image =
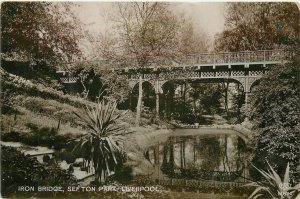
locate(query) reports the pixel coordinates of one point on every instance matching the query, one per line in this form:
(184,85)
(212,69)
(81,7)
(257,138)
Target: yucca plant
(98,145)
(273,187)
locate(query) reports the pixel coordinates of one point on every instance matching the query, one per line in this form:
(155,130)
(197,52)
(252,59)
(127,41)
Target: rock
(143,168)
(164,127)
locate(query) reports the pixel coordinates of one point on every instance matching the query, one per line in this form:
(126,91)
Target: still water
(209,156)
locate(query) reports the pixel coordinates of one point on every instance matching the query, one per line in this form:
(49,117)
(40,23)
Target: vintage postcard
(145,99)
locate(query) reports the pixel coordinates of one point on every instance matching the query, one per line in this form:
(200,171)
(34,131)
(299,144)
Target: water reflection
(212,157)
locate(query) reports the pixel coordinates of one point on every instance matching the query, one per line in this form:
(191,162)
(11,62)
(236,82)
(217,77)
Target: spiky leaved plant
(272,186)
(98,144)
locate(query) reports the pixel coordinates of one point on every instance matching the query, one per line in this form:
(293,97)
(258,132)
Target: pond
(200,154)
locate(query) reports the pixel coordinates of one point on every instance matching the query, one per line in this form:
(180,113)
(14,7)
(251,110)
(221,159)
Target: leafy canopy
(259,26)
(39,31)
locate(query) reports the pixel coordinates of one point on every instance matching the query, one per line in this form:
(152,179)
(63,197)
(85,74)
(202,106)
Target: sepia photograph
(150,99)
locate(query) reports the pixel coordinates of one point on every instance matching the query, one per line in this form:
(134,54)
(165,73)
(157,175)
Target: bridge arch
(254,84)
(148,94)
(244,68)
(134,84)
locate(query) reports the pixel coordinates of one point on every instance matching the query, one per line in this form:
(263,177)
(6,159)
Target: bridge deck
(207,59)
(201,61)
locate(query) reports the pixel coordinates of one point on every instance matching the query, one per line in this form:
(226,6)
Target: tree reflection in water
(216,157)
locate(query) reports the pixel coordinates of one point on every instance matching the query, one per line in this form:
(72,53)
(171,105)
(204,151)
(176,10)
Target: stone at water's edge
(133,158)
(137,143)
(139,164)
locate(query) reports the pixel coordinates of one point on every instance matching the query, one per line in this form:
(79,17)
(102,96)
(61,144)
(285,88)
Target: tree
(275,103)
(191,41)
(117,87)
(275,116)
(96,83)
(145,31)
(148,30)
(39,32)
(149,33)
(259,26)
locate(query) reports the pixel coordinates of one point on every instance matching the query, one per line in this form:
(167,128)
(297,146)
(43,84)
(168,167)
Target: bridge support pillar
(247,100)
(157,104)
(158,89)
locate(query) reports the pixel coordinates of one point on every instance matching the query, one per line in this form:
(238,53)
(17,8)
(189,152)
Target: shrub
(13,136)
(38,136)
(19,170)
(67,156)
(123,174)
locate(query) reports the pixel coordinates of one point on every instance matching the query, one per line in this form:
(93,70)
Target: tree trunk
(225,88)
(166,105)
(58,125)
(130,100)
(171,157)
(183,152)
(181,155)
(15,117)
(139,103)
(157,104)
(298,49)
(194,150)
(165,154)
(184,100)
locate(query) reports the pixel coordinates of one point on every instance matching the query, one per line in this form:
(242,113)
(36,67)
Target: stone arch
(148,93)
(242,82)
(165,85)
(255,83)
(156,84)
(134,83)
(248,83)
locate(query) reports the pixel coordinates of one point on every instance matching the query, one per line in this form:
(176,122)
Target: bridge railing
(238,57)
(224,58)
(198,59)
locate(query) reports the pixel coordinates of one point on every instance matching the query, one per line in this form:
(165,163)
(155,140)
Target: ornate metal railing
(196,59)
(263,56)
(238,57)
(185,74)
(69,79)
(200,183)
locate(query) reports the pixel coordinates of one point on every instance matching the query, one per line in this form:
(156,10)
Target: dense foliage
(275,115)
(39,32)
(183,101)
(95,83)
(20,170)
(259,26)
